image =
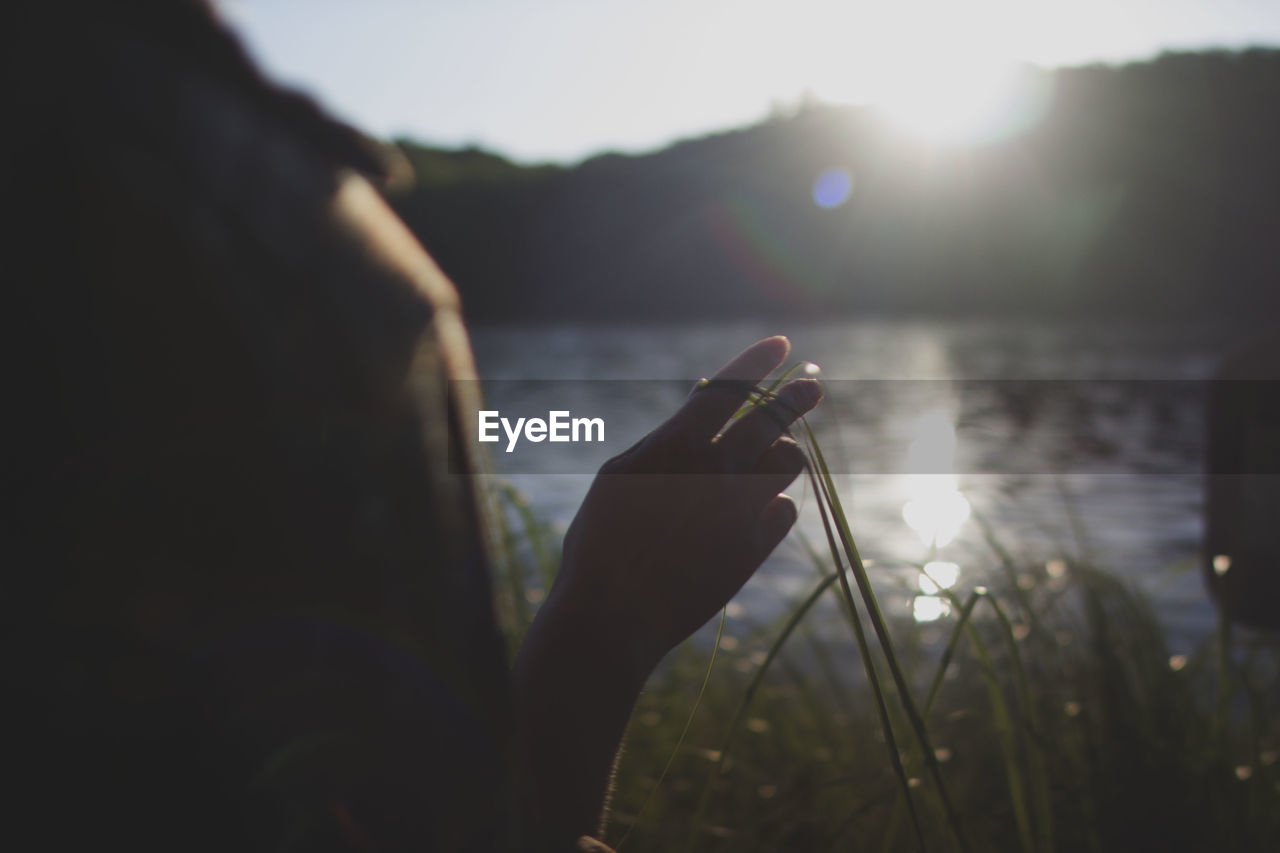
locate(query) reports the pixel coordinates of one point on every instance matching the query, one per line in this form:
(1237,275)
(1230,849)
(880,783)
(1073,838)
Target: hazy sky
(560,79)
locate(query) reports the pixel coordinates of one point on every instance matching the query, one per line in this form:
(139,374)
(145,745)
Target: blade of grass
(895,822)
(886,642)
(1035,753)
(1011,573)
(675,750)
(1042,829)
(821,653)
(740,712)
(820,488)
(1002,721)
(966,611)
(824,489)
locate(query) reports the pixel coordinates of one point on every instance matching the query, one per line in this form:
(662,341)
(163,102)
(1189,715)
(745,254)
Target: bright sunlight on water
(936,509)
(936,576)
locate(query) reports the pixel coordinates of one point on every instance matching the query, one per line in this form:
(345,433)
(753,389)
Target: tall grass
(1048,715)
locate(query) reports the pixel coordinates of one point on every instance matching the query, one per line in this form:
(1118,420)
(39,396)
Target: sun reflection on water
(938,575)
(935,509)
(928,608)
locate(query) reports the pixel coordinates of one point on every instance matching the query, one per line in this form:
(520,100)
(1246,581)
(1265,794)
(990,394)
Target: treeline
(1150,189)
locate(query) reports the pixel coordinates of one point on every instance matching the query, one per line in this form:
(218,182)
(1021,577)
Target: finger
(757,430)
(778,468)
(747,553)
(709,406)
(775,523)
(756,361)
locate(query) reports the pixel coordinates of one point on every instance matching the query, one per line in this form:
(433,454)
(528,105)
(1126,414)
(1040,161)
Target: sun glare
(937,72)
(954,103)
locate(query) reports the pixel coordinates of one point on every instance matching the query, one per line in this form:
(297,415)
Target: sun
(957,102)
(937,72)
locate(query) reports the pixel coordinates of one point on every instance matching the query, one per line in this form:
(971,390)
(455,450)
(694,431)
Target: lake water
(1095,449)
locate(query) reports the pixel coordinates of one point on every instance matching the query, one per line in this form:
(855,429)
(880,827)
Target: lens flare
(832,188)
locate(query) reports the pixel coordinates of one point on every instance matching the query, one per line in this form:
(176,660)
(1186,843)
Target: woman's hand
(669,531)
(672,528)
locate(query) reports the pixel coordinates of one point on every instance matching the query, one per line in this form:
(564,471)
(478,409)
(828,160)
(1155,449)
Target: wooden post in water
(1241,557)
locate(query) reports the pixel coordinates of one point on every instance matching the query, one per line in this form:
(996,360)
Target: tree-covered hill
(1150,189)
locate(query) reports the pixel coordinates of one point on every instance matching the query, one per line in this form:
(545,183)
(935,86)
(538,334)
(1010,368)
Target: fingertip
(777,347)
(781,342)
(776,521)
(784,508)
(758,360)
(802,394)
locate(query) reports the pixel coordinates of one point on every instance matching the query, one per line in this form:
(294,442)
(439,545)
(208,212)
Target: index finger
(710,406)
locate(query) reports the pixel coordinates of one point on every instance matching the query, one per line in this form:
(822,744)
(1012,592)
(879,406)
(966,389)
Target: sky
(559,80)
